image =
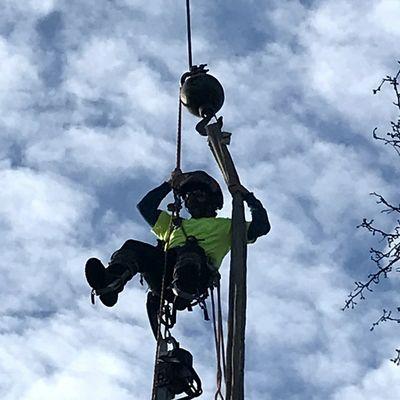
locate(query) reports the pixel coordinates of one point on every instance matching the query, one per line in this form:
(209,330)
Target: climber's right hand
(176,178)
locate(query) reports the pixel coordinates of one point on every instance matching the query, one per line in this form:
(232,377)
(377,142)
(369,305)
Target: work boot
(108,282)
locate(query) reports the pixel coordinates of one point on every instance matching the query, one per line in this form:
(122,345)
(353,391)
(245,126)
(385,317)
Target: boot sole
(109,299)
(95,273)
(95,276)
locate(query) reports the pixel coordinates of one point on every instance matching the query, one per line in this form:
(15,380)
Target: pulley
(201,93)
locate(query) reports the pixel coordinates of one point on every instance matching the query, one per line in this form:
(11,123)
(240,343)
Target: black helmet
(200,179)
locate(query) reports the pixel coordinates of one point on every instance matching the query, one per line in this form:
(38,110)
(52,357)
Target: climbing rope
(161,313)
(179,136)
(164,315)
(189,34)
(219,341)
(179,130)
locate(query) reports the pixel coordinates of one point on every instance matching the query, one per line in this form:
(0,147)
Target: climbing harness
(189,276)
(193,275)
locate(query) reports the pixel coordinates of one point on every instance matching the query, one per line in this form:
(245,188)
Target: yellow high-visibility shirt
(213,234)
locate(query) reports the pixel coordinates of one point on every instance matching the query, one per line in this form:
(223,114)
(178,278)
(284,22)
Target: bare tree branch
(390,208)
(392,138)
(386,259)
(386,316)
(396,360)
(373,278)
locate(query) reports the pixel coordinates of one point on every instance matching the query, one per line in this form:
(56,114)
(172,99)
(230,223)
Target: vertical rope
(189,34)
(174,215)
(229,344)
(218,343)
(221,330)
(179,135)
(160,312)
(170,228)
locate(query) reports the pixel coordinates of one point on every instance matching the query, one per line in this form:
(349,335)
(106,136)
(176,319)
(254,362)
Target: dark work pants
(150,262)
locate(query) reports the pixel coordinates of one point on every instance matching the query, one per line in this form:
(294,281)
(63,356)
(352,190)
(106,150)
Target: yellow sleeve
(160,228)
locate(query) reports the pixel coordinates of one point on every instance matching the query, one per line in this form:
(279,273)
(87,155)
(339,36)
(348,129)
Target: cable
(189,34)
(179,135)
(219,344)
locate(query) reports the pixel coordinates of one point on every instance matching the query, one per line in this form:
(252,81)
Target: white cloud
(93,70)
(36,7)
(110,154)
(67,357)
(43,218)
(18,79)
(347,55)
(379,383)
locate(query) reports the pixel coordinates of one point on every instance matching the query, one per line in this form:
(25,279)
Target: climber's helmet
(201,193)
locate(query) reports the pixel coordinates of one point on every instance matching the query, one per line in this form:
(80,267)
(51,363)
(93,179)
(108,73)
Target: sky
(88,116)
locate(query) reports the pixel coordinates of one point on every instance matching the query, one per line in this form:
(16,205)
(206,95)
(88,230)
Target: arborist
(191,249)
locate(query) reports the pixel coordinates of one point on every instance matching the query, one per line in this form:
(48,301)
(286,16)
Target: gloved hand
(177,177)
